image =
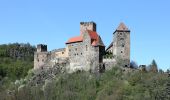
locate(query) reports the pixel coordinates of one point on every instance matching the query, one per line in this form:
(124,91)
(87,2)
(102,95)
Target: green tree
(153,67)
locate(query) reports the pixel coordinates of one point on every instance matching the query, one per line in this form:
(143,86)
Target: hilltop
(19,80)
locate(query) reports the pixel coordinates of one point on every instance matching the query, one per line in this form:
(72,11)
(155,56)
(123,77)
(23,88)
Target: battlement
(87,26)
(41,48)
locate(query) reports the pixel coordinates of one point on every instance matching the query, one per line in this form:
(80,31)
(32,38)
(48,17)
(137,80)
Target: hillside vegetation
(114,84)
(111,85)
(15,61)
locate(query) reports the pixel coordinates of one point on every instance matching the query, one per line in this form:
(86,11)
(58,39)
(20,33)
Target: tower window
(121,51)
(76,49)
(123,45)
(62,52)
(121,38)
(120,33)
(86,47)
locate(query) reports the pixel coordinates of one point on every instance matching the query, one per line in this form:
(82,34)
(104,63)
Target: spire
(122,27)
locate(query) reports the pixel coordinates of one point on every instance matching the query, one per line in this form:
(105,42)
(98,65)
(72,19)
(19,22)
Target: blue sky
(53,22)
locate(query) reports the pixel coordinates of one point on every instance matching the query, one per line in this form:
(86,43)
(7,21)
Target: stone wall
(76,55)
(109,63)
(62,52)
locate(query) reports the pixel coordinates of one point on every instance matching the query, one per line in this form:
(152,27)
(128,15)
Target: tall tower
(121,44)
(40,57)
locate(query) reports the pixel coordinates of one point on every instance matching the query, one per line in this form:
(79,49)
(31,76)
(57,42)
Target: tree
(133,64)
(153,67)
(161,71)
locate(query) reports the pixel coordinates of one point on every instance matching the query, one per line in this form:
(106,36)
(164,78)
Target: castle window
(81,53)
(121,38)
(121,51)
(86,47)
(69,49)
(76,49)
(42,60)
(62,52)
(38,60)
(75,54)
(120,33)
(123,45)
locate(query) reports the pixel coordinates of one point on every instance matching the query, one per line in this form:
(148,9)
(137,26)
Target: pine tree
(153,67)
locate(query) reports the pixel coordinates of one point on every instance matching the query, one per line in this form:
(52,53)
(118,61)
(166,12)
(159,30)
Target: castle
(86,51)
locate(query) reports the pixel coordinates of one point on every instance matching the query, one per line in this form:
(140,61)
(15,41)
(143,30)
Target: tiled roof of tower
(122,27)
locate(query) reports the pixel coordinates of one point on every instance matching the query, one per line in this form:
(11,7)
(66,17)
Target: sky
(53,22)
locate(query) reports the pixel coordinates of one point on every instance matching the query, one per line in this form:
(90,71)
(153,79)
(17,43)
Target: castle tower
(121,44)
(87,26)
(41,56)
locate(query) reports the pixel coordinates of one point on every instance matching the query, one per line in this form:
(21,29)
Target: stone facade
(41,56)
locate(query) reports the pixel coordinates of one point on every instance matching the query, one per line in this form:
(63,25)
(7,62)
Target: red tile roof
(75,39)
(93,35)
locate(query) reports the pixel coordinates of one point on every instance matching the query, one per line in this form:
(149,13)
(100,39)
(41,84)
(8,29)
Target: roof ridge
(122,27)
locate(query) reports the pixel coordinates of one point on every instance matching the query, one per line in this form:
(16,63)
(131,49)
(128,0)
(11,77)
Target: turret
(41,48)
(87,26)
